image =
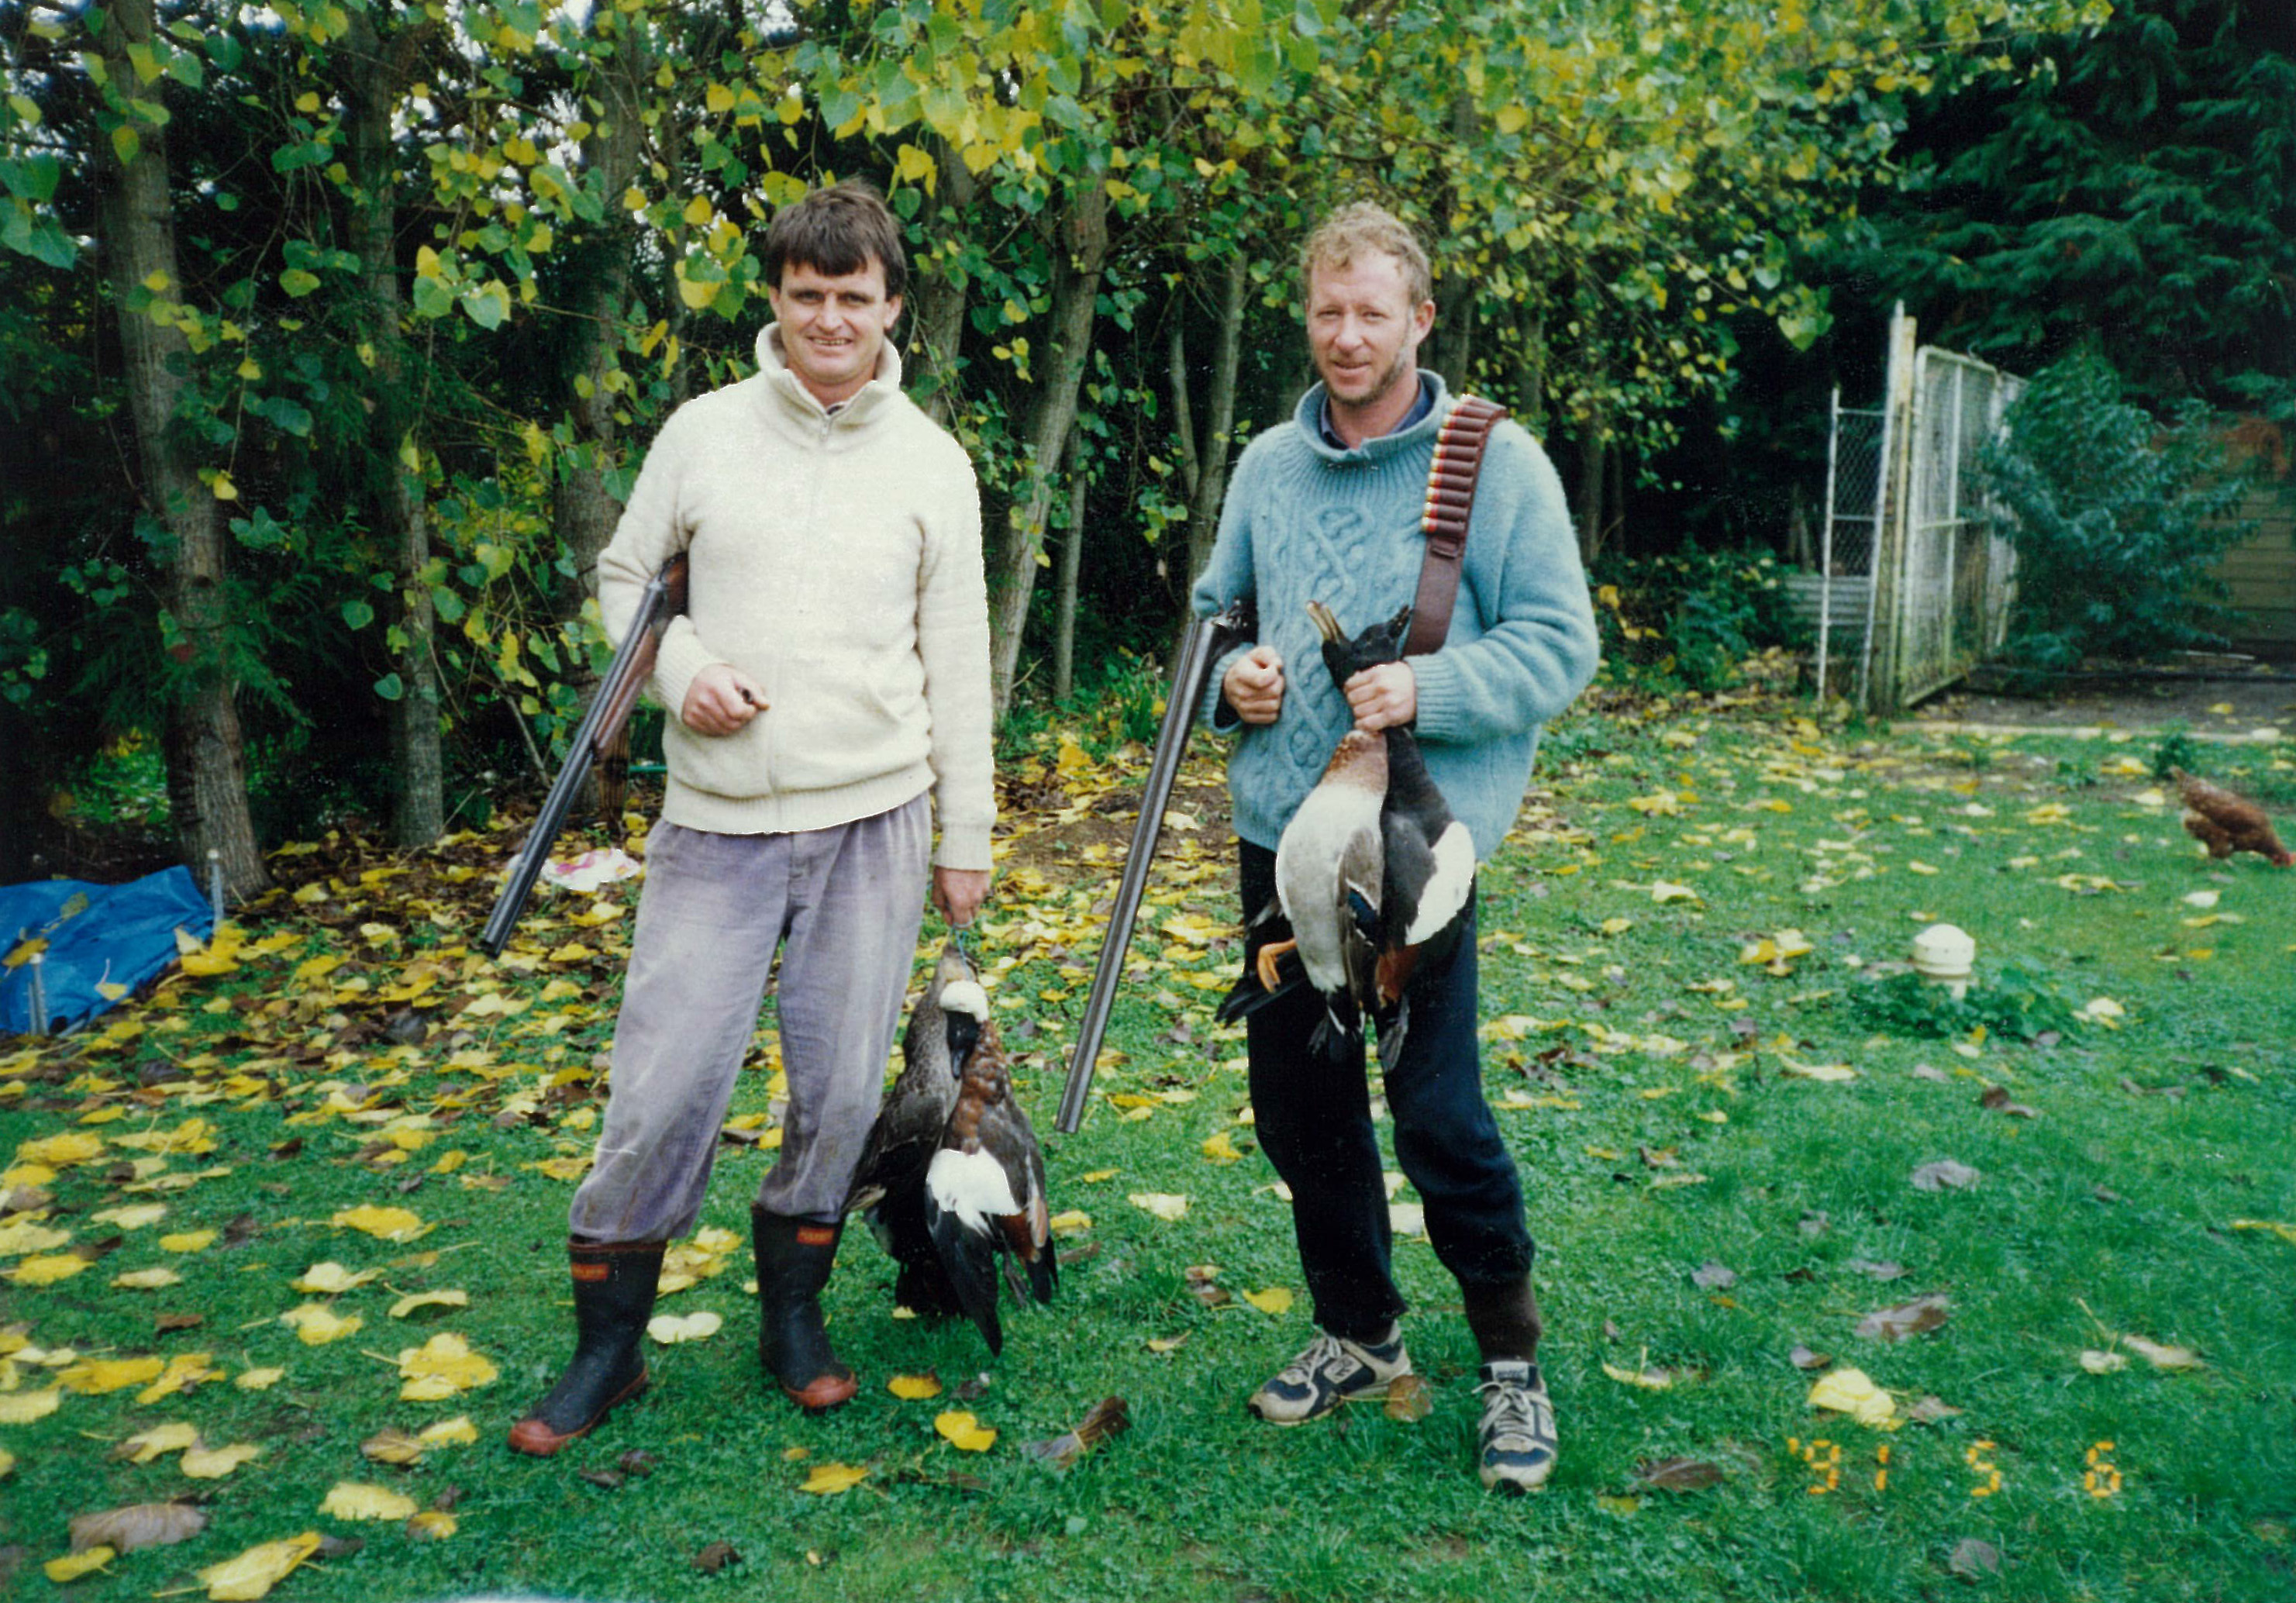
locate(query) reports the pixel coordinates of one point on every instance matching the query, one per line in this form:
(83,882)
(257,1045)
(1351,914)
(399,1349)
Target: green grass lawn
(1720,1156)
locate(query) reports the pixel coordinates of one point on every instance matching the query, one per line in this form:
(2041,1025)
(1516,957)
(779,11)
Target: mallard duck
(889,1187)
(985,1192)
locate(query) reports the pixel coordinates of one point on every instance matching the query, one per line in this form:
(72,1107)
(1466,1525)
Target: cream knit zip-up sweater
(835,559)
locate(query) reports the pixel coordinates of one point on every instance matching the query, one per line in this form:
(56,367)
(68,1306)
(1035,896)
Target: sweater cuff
(1441,712)
(682,656)
(965,845)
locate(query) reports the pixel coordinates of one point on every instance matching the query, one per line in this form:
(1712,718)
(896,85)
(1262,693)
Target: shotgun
(663,599)
(1208,639)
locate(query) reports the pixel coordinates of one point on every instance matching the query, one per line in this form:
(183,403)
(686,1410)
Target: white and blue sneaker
(1515,1442)
(1331,1371)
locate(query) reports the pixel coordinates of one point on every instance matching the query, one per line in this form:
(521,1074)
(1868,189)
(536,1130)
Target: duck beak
(1326,624)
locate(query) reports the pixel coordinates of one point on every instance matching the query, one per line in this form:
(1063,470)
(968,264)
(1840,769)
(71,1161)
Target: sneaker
(1517,1435)
(1332,1371)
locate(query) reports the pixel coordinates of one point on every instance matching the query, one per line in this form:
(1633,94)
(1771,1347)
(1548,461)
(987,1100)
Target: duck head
(965,1006)
(1346,658)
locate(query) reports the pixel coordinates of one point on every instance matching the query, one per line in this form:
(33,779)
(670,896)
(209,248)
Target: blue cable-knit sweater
(1304,521)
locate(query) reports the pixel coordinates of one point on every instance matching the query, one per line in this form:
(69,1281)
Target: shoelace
(1322,1354)
(1510,1408)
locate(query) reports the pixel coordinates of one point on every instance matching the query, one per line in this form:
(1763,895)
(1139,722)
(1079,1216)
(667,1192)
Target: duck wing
(967,1197)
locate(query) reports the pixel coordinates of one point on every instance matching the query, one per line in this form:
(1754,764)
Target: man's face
(833,329)
(1363,331)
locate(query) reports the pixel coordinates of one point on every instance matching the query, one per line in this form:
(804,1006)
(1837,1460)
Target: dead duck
(1427,862)
(889,1187)
(984,1193)
(1425,868)
(1328,891)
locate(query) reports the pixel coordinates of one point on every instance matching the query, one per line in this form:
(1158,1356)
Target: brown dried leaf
(607,1479)
(1973,1560)
(1996,1100)
(1610,1331)
(1930,1410)
(1678,1474)
(392,1445)
(1906,1319)
(179,1321)
(1409,1398)
(716,1556)
(1109,1417)
(137,1525)
(1802,1358)
(1944,1175)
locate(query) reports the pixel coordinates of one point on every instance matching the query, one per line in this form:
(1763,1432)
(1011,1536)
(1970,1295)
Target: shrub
(1694,614)
(2117,522)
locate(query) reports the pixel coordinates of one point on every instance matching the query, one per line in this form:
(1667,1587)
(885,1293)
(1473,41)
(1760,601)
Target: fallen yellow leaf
(441,1367)
(354,1499)
(71,1566)
(254,1572)
(670,1329)
(145,1445)
(96,1377)
(960,1429)
(212,1464)
(316,1324)
(1165,1205)
(389,1223)
(1276,1299)
(22,1408)
(827,1480)
(432,1526)
(912,1388)
(429,1299)
(48,1269)
(330,1278)
(1850,1392)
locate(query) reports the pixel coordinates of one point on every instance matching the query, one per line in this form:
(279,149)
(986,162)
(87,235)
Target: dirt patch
(2223,708)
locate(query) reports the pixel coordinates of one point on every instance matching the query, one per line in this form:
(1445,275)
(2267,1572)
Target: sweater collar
(1425,424)
(790,393)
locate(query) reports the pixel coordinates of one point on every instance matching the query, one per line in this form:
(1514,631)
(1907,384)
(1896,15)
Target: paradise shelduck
(1422,863)
(889,1187)
(985,1191)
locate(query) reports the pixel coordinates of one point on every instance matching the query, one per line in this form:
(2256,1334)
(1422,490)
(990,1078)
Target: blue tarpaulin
(115,936)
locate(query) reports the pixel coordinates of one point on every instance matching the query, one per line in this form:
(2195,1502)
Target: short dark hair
(836,231)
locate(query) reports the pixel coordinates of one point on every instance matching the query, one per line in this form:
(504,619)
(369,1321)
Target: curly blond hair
(1366,225)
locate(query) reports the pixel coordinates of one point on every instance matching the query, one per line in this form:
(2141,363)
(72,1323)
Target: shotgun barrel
(1208,638)
(663,599)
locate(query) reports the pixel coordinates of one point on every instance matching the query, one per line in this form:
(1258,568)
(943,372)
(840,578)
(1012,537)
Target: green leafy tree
(2117,521)
(2136,187)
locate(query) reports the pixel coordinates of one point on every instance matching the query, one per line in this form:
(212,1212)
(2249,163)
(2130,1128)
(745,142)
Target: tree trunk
(206,761)
(583,510)
(1590,493)
(399,507)
(1076,285)
(936,327)
(1530,369)
(1072,571)
(1210,487)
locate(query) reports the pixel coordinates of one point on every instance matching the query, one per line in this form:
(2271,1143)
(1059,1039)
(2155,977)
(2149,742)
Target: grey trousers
(848,902)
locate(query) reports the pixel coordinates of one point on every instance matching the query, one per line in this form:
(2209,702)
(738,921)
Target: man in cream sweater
(830,670)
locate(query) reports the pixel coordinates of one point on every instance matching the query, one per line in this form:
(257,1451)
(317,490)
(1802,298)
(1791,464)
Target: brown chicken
(2227,824)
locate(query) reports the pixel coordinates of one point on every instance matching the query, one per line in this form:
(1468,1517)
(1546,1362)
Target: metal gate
(1902,488)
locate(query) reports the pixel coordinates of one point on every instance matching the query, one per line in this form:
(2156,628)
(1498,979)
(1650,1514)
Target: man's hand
(721,699)
(958,892)
(1254,685)
(1386,697)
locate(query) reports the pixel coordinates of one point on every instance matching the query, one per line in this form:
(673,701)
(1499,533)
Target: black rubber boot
(794,1257)
(1504,1315)
(614,1284)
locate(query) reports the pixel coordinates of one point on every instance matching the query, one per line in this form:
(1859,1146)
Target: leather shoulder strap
(1450,500)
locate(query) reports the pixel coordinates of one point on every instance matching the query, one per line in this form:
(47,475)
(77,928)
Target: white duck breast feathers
(972,1186)
(1447,888)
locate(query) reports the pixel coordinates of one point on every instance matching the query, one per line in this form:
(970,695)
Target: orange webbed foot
(1269,955)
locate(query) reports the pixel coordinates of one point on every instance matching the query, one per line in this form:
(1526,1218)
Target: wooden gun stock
(663,599)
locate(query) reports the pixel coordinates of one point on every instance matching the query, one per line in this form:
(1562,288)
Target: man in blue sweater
(1327,507)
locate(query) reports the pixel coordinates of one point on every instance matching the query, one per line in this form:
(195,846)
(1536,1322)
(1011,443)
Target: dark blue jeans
(1313,1119)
